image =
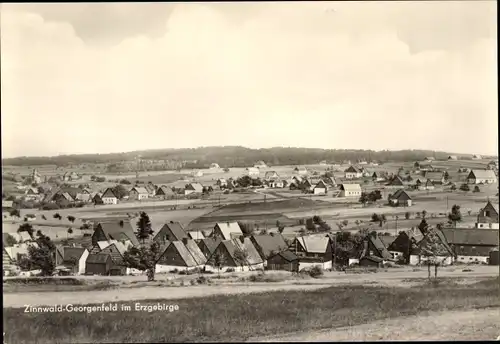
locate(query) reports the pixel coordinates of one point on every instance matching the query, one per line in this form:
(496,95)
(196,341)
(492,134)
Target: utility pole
(447,204)
(396,233)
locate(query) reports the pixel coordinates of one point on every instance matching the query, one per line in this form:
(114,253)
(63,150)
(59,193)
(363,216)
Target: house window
(487,213)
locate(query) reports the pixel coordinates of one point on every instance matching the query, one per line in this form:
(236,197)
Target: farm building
(98,264)
(97,198)
(227,230)
(268,244)
(73,258)
(171,231)
(109,197)
(402,245)
(284,260)
(271,175)
(430,158)
(476,157)
(115,230)
(83,197)
(116,250)
(276,184)
(32,194)
(214,166)
(252,171)
(373,246)
(138,193)
(330,181)
(435,177)
(395,182)
(418,257)
(353,172)
(165,192)
(193,188)
(227,254)
(371,261)
(196,235)
(400,198)
(17,251)
(177,256)
(208,245)
(7,262)
(300,170)
(320,188)
(221,182)
(471,244)
(488,217)
(452,157)
(350,190)
(313,251)
(482,177)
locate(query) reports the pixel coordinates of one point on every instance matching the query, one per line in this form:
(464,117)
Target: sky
(117,77)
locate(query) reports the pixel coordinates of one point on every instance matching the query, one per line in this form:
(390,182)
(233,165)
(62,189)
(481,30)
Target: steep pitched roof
(401,194)
(211,243)
(99,258)
(483,174)
(247,245)
(314,244)
(196,235)
(108,193)
(69,253)
(195,251)
(387,240)
(379,245)
(287,255)
(176,229)
(352,169)
(195,186)
(113,230)
(140,190)
(471,236)
(396,180)
(229,229)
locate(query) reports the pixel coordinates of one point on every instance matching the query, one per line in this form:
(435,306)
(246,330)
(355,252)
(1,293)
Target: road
(479,324)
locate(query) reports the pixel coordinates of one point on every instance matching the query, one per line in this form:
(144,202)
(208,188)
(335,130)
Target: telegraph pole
(447,204)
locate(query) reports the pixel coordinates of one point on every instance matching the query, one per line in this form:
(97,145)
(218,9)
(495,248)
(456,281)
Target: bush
(202,280)
(230,270)
(316,271)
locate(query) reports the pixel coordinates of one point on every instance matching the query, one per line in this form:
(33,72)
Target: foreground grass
(239,317)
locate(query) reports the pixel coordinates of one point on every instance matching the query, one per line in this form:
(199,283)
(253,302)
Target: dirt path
(450,325)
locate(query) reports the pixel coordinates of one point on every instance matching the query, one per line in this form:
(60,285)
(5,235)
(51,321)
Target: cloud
(291,75)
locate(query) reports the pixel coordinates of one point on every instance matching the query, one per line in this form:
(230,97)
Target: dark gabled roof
(483,174)
(379,245)
(99,258)
(401,194)
(387,240)
(287,255)
(434,175)
(176,229)
(396,180)
(69,253)
(195,251)
(108,193)
(247,245)
(211,243)
(352,169)
(269,243)
(113,231)
(471,236)
(373,259)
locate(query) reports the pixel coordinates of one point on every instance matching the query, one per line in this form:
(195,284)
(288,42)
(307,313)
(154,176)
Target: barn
(98,264)
(285,260)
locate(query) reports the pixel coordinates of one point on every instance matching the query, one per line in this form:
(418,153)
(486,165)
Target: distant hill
(235,156)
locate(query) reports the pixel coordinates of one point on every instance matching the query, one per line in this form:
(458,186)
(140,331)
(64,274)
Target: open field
(249,316)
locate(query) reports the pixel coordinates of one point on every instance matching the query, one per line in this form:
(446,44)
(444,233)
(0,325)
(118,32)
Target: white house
(197,173)
(138,193)
(109,197)
(68,255)
(320,188)
(482,177)
(477,157)
(214,166)
(350,190)
(488,217)
(193,188)
(352,172)
(253,171)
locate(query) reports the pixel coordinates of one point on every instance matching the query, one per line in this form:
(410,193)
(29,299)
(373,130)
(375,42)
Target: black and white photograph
(289,171)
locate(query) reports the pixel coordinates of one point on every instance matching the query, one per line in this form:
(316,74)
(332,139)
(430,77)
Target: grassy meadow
(245,316)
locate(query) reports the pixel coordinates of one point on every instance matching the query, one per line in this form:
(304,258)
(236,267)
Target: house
(271,175)
(221,182)
(482,177)
(276,184)
(150,188)
(284,260)
(476,157)
(350,190)
(208,245)
(32,194)
(371,261)
(374,247)
(83,197)
(227,249)
(193,188)
(74,258)
(435,177)
(116,230)
(313,251)
(165,192)
(452,157)
(109,197)
(227,230)
(117,251)
(471,244)
(253,171)
(424,184)
(426,167)
(488,217)
(7,262)
(196,235)
(260,164)
(395,182)
(403,244)
(300,170)
(138,193)
(268,244)
(97,199)
(214,166)
(320,188)
(330,181)
(98,264)
(400,198)
(17,251)
(171,231)
(7,205)
(430,158)
(353,172)
(197,173)
(417,257)
(177,256)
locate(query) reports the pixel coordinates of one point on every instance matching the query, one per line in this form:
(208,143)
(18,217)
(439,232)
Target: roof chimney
(242,238)
(185,241)
(272,233)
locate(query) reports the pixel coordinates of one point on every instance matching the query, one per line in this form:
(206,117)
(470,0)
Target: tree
(407,215)
(310,224)
(71,218)
(144,230)
(247,228)
(455,215)
(453,187)
(363,199)
(217,260)
(476,189)
(434,251)
(9,240)
(302,232)
(375,217)
(28,228)
(73,263)
(241,257)
(424,213)
(119,191)
(40,256)
(70,231)
(423,226)
(143,258)
(465,187)
(57,216)
(15,213)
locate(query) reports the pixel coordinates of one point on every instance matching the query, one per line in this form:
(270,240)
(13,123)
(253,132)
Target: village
(100,244)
